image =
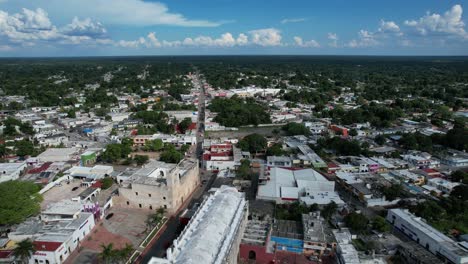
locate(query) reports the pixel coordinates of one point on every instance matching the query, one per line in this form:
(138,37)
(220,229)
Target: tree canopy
(235,112)
(253,143)
(18,200)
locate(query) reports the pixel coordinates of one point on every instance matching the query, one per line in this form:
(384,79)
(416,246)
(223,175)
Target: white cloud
(151,41)
(306,44)
(28,25)
(334,39)
(450,23)
(365,39)
(154,42)
(293,20)
(388,26)
(31,26)
(266,37)
(86,27)
(120,12)
(242,39)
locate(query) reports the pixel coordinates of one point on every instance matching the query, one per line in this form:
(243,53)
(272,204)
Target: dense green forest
(304,79)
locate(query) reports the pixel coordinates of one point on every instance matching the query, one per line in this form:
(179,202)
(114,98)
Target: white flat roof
(208,237)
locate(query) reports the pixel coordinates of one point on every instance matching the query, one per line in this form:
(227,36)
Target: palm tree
(24,250)
(108,254)
(124,253)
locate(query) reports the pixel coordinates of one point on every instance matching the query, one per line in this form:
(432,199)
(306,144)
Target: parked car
(75,188)
(109,216)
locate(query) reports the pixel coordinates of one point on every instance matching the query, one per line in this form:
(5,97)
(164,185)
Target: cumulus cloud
(293,20)
(365,39)
(121,12)
(86,27)
(151,41)
(306,44)
(450,23)
(388,26)
(31,26)
(266,37)
(28,25)
(334,39)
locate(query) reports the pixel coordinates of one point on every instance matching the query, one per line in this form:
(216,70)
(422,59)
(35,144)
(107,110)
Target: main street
(172,228)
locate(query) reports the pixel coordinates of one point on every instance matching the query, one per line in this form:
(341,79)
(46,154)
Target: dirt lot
(242,132)
(126,226)
(64,192)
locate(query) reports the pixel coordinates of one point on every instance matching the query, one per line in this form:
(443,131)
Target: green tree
(107,183)
(459,176)
(108,254)
(275,150)
(26,128)
(171,155)
(141,159)
(253,143)
(460,192)
(393,192)
(357,222)
(71,113)
(24,250)
(18,200)
(185,124)
(24,148)
(353,132)
(380,224)
(153,145)
(243,171)
(293,129)
(380,139)
(329,210)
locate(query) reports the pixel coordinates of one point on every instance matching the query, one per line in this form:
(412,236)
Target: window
(151,207)
(139,205)
(136,193)
(164,197)
(149,194)
(128,203)
(36,261)
(165,206)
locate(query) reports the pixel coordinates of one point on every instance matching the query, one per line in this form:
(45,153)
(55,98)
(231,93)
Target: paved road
(173,227)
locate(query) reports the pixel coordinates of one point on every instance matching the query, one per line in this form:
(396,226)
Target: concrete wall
(169,196)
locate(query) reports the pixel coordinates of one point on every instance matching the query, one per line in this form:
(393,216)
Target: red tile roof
(40,169)
(5,254)
(46,245)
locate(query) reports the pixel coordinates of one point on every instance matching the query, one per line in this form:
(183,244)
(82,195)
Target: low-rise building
(346,252)
(428,237)
(305,185)
(58,154)
(409,177)
(213,234)
(279,161)
(54,241)
(11,171)
(442,184)
(159,184)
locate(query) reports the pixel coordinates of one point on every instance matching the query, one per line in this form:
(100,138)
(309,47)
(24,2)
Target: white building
(54,241)
(316,128)
(57,154)
(279,161)
(306,185)
(93,173)
(11,171)
(442,184)
(428,237)
(213,234)
(347,253)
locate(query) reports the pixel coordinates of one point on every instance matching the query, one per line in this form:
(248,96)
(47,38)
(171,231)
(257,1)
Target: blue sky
(198,27)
